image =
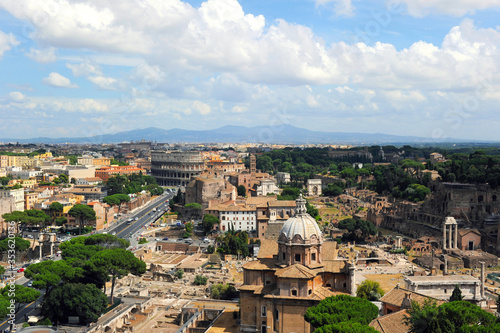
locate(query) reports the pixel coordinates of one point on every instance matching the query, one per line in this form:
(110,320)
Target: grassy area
(387,281)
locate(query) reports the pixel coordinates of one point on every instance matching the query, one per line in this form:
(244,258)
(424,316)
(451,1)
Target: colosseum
(176,168)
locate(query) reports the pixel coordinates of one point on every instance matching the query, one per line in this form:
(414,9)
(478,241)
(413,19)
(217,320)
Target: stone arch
(480,198)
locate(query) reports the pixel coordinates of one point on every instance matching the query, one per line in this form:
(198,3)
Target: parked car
(20,270)
(30,284)
(165,238)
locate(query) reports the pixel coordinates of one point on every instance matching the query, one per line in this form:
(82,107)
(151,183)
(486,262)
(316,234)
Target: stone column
(482,279)
(352,279)
(450,244)
(445,271)
(456,236)
(444,236)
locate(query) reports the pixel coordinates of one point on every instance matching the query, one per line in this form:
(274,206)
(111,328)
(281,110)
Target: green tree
(223,291)
(189,226)
(208,223)
(369,290)
(341,308)
(179,274)
(63,178)
(85,301)
(143,241)
(353,226)
(60,221)
(242,191)
(118,263)
(457,316)
(456,295)
(26,218)
(22,295)
(49,274)
(194,205)
(83,214)
(200,280)
(116,199)
(264,163)
(346,327)
(55,208)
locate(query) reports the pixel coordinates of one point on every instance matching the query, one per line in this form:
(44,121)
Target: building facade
(176,168)
(280,287)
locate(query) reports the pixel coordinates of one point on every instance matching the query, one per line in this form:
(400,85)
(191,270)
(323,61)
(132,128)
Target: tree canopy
(208,222)
(341,308)
(82,213)
(75,299)
(369,290)
(457,316)
(357,226)
(116,199)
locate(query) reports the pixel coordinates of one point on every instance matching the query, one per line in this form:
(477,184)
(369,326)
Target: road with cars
(125,228)
(147,215)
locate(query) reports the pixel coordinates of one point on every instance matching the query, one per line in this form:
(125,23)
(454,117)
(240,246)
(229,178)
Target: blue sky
(406,67)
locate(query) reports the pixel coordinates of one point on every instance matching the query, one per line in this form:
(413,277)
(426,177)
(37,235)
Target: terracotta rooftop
(296,271)
(391,323)
(397,295)
(261,264)
(463,232)
(268,248)
(282,203)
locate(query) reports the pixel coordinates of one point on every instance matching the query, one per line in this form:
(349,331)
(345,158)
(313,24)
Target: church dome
(302,228)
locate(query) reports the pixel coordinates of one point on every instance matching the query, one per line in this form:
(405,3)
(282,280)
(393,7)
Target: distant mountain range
(284,134)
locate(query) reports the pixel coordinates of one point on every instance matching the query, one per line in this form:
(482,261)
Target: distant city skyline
(413,68)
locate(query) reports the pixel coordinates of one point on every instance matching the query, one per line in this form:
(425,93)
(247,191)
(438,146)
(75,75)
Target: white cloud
(239,109)
(7,41)
(341,7)
(420,8)
(84,68)
(57,80)
(43,56)
(106,83)
(201,107)
(17,96)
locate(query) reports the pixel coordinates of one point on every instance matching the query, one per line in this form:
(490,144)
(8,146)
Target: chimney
(406,303)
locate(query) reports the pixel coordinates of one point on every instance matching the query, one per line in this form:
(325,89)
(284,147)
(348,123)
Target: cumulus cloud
(341,7)
(420,8)
(43,56)
(84,68)
(57,80)
(106,83)
(17,96)
(218,37)
(201,107)
(7,41)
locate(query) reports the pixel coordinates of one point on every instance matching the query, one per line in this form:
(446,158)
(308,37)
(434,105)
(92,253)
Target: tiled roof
(391,323)
(296,271)
(329,250)
(268,248)
(260,200)
(282,203)
(261,264)
(334,266)
(397,295)
(464,232)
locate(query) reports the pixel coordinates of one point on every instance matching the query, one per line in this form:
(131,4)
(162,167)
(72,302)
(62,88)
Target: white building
(86,160)
(283,177)
(237,217)
(314,187)
(441,286)
(267,186)
(25,174)
(17,194)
